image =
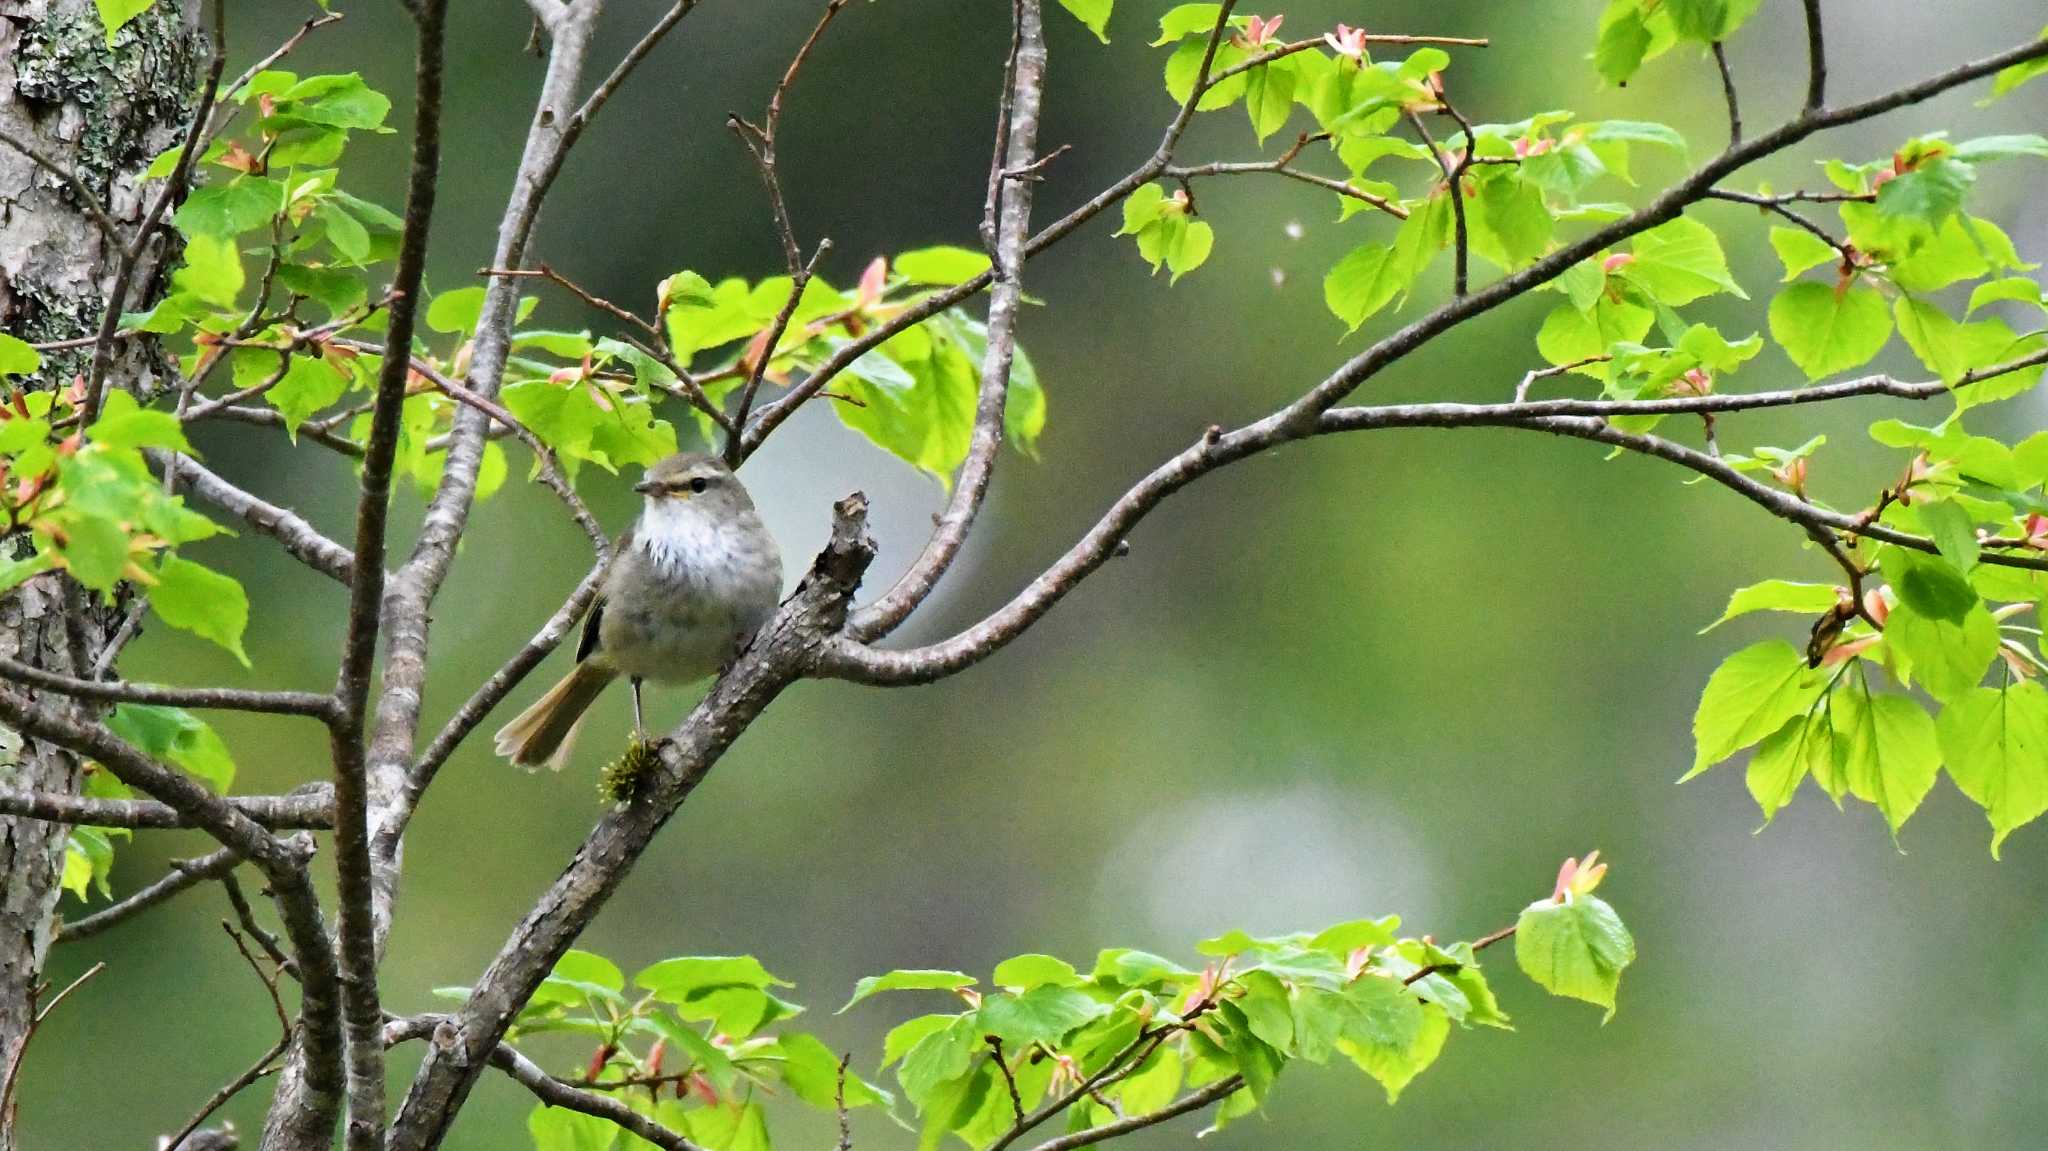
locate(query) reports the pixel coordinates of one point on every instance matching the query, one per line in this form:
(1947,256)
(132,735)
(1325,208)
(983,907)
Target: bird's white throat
(678,535)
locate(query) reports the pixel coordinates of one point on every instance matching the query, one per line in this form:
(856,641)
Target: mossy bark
(103,112)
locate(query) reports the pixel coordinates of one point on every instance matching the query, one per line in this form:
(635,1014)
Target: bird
(690,583)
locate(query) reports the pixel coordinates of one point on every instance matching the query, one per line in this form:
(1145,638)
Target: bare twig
(1529,379)
(14,1057)
(1816,62)
(771,338)
(256,1070)
(91,203)
(1776,205)
(1283,166)
(1728,92)
(184,873)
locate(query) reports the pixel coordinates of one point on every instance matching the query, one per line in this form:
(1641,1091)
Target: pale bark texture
(102,113)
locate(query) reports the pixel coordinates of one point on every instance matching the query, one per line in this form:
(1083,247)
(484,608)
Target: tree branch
(1728,93)
(184,873)
(362,1013)
(548,1089)
(305,703)
(1013,222)
(311,808)
(301,540)
(1816,62)
(1193,1101)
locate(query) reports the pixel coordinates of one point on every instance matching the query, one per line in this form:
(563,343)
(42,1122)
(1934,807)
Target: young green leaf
(941,264)
(1778,595)
(1800,250)
(1748,697)
(560,1129)
(115,14)
(1996,745)
(1826,331)
(1886,748)
(176,735)
(17,358)
(1093,13)
(1679,262)
(908,980)
(1576,948)
(202,601)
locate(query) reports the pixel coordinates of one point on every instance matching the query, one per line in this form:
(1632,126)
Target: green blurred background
(1407,672)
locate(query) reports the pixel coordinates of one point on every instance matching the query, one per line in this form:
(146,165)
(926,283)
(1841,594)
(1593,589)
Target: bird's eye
(699,484)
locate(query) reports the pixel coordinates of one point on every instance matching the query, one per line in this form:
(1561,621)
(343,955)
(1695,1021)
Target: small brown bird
(691,581)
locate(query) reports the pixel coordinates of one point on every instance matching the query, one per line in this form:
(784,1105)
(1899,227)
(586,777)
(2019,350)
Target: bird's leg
(639,727)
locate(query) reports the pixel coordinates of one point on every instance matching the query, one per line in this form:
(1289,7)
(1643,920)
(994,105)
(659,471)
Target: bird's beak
(644,487)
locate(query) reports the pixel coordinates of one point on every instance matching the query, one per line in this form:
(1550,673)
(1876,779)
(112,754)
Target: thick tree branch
(784,650)
(1013,222)
(362,1013)
(310,807)
(304,703)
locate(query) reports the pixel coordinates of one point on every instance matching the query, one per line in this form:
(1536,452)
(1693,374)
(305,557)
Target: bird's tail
(543,733)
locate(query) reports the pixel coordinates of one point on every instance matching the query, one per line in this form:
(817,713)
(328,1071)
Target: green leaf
(908,980)
(908,1034)
(1946,657)
(212,270)
(1749,696)
(1041,1015)
(1932,192)
(1954,532)
(2022,289)
(589,968)
(1093,13)
(1708,21)
(1825,331)
(124,424)
(559,1129)
(942,264)
(1801,250)
(115,14)
(178,736)
(1121,965)
(309,385)
(1929,586)
(17,358)
(206,603)
(1345,938)
(1996,746)
(2018,74)
(729,1127)
(1269,97)
(1578,948)
(939,1058)
(457,311)
(339,101)
(1985,149)
(812,1071)
(1680,262)
(1886,747)
(227,210)
(691,977)
(345,232)
(1397,1066)
(1625,42)
(1185,20)
(95,551)
(1027,971)
(1949,349)
(1778,595)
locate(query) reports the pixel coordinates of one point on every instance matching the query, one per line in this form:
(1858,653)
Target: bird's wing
(595,620)
(591,623)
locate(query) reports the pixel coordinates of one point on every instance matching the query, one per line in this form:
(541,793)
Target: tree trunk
(103,113)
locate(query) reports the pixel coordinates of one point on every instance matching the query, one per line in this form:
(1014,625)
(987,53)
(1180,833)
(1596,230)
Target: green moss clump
(623,779)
